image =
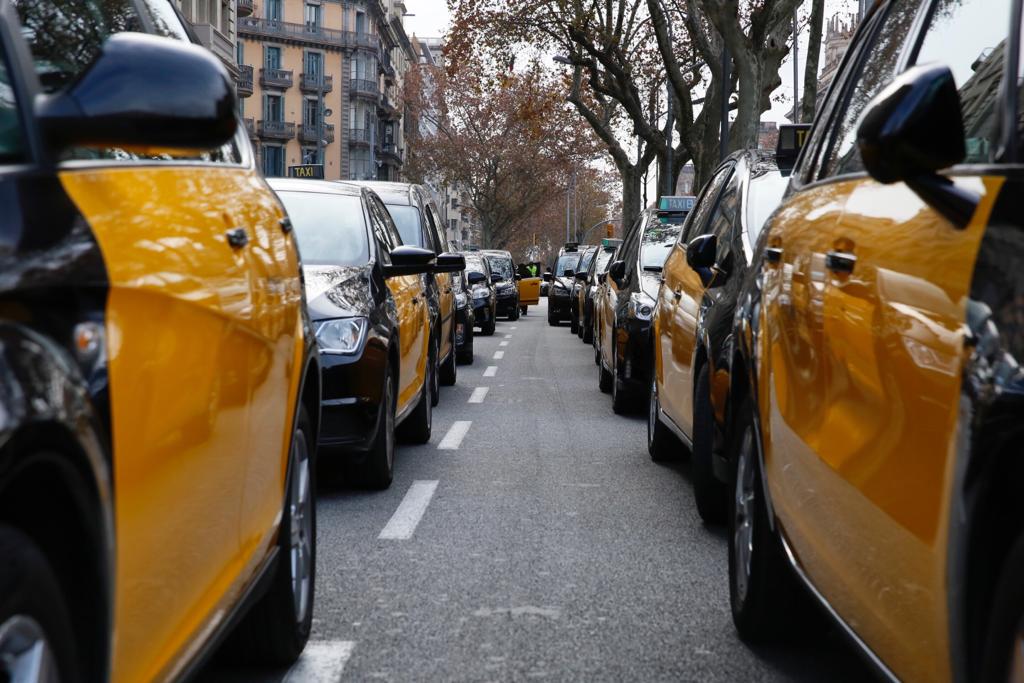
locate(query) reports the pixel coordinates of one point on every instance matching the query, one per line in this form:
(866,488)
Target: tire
(416,427)
(435,384)
(32,610)
(487,329)
(620,401)
(662,444)
(604,378)
(588,332)
(275,631)
(522,310)
(1005,630)
(465,354)
(514,315)
(553,321)
(574,323)
(709,493)
(449,372)
(378,470)
(763,592)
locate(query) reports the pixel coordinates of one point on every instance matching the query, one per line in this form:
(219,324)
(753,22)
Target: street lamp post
(670,106)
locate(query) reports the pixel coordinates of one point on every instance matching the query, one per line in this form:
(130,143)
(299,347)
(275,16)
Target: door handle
(773,254)
(840,261)
(286,225)
(237,237)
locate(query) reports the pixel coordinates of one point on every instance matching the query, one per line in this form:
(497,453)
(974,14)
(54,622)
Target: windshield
(500,265)
(657,243)
(407,219)
(565,262)
(588,256)
(330,228)
(475,264)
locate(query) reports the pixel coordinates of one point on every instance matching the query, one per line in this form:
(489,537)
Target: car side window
(725,217)
(878,70)
(12,141)
(705,203)
(440,227)
(432,229)
(970,37)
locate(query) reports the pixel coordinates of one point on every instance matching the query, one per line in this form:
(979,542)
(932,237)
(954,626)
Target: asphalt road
(543,544)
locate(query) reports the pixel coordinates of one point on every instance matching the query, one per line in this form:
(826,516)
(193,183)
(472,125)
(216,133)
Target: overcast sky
(431,18)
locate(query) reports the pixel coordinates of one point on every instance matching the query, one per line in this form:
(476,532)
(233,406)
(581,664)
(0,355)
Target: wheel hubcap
(25,654)
(743,510)
(301,514)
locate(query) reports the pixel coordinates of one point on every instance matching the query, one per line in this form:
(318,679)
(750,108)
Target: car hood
(337,291)
(566,282)
(650,281)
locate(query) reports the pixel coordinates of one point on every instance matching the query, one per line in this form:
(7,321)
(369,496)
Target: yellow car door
(529,291)
(445,289)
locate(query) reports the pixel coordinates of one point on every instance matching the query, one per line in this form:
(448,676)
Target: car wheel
(416,427)
(276,629)
(708,491)
(487,329)
(378,470)
(435,384)
(522,310)
(588,332)
(763,593)
(449,373)
(661,443)
(574,323)
(604,377)
(620,402)
(35,626)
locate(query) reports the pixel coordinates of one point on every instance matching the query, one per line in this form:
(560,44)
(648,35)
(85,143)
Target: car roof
(495,252)
(320,186)
(390,192)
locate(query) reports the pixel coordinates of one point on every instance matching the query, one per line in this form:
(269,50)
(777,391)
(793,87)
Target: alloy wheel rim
(25,653)
(301,516)
(743,520)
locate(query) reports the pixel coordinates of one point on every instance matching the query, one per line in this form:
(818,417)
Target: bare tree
(810,100)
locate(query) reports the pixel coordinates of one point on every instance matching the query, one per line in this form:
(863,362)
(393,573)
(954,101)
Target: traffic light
(609,230)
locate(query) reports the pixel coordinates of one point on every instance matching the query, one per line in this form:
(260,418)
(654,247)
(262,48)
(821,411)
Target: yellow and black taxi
(505,278)
(367,302)
(561,279)
(631,290)
(465,320)
(420,225)
(482,294)
(876,379)
(529,285)
(159,387)
(595,277)
(693,317)
(579,289)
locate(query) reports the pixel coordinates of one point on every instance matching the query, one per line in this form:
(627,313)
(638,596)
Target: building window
(310,112)
(273,10)
(312,16)
(225,17)
(272,57)
(455,203)
(273,161)
(360,22)
(273,108)
(455,226)
(240,52)
(314,65)
(361,167)
(311,155)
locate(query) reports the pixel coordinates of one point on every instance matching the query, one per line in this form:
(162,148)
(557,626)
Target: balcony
(316,83)
(364,87)
(390,153)
(250,127)
(305,34)
(359,136)
(388,107)
(246,7)
(308,133)
(244,80)
(276,78)
(276,130)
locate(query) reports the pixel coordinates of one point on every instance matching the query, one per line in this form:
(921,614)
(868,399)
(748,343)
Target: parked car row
(834,340)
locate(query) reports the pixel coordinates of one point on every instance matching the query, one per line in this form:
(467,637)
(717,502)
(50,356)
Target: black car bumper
(559,304)
(507,303)
(482,312)
(636,361)
(351,396)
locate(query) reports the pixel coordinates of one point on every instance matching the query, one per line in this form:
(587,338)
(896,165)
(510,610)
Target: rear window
(330,228)
(407,219)
(565,262)
(500,265)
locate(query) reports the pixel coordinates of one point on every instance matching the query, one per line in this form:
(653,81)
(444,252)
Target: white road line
(498,355)
(410,510)
(478,395)
(508,336)
(511,327)
(321,662)
(456,433)
(504,343)
(491,371)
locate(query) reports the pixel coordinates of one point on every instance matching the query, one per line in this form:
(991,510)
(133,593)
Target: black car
(464,320)
(598,265)
(350,247)
(561,279)
(482,294)
(633,280)
(579,288)
(504,269)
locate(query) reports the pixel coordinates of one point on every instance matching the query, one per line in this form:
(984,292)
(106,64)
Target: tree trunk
(631,201)
(811,70)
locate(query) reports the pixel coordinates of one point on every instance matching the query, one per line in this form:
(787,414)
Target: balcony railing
(308,133)
(250,126)
(317,82)
(279,130)
(276,78)
(359,136)
(305,33)
(362,86)
(390,149)
(246,7)
(388,106)
(244,80)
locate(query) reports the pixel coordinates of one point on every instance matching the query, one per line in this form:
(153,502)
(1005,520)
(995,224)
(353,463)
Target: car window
(969,36)
(12,141)
(763,196)
(705,203)
(604,259)
(877,71)
(385,229)
(407,219)
(475,264)
(588,256)
(433,232)
(565,262)
(330,228)
(659,238)
(501,265)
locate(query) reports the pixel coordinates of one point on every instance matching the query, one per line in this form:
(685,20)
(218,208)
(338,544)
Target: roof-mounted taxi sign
(792,137)
(572,246)
(677,204)
(610,242)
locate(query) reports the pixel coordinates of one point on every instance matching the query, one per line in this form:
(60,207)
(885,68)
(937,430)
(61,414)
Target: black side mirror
(601,277)
(475,278)
(450,263)
(701,254)
(144,91)
(548,276)
(581,276)
(495,278)
(617,271)
(912,129)
(518,277)
(406,260)
(569,272)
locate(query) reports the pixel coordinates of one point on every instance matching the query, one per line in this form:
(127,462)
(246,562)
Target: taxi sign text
(680,203)
(315,171)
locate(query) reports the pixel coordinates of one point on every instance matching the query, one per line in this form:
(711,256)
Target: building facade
(215,22)
(320,83)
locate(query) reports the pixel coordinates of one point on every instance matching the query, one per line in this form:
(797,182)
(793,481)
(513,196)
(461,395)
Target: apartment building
(215,23)
(319,83)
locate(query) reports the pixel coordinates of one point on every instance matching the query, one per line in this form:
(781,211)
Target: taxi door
(446,292)
(626,251)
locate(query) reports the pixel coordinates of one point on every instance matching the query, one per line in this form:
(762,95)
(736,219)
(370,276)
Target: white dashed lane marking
(410,511)
(504,343)
(491,371)
(498,355)
(321,662)
(478,395)
(456,433)
(508,336)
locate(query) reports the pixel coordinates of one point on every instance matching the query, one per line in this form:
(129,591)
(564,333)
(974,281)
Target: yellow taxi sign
(315,171)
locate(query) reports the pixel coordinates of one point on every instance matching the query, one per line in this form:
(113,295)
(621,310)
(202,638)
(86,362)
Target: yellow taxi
(159,387)
(877,380)
(528,284)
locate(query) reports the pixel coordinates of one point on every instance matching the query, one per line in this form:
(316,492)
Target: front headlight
(461,300)
(481,292)
(340,336)
(507,289)
(641,306)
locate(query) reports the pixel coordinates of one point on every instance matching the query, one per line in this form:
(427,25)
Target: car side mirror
(701,253)
(601,277)
(495,278)
(548,276)
(450,263)
(144,91)
(914,128)
(581,276)
(569,273)
(617,271)
(407,260)
(475,278)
